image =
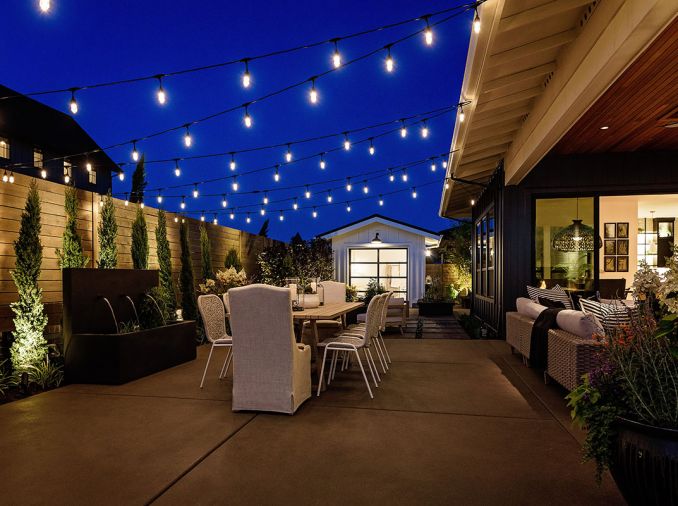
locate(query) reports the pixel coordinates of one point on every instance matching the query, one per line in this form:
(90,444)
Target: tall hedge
(139,182)
(188,302)
(140,240)
(233,260)
(71,254)
(205,253)
(108,231)
(29,347)
(166,285)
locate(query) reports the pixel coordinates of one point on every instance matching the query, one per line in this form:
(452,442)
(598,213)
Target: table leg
(316,354)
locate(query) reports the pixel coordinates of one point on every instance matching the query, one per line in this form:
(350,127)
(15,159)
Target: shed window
(38,158)
(388,266)
(4,147)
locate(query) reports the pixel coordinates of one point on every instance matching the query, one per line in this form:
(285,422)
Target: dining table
(332,311)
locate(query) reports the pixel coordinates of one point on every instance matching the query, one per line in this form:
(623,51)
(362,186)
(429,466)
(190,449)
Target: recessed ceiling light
(604,127)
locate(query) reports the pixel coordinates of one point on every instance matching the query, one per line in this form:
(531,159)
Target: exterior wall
(391,236)
(12,201)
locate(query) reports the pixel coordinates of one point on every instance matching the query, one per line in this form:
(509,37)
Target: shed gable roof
(382,220)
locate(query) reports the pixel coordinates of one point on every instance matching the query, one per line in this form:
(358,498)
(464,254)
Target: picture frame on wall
(622,264)
(623,247)
(610,230)
(610,247)
(623,230)
(609,264)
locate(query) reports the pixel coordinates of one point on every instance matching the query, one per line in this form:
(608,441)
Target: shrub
(188,302)
(223,282)
(108,232)
(139,182)
(166,289)
(205,253)
(233,260)
(140,240)
(71,255)
(29,347)
(373,288)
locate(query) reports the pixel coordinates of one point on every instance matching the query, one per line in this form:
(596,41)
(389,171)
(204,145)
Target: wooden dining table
(324,312)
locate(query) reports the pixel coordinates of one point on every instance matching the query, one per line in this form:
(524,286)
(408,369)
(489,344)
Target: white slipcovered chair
(214,320)
(271,372)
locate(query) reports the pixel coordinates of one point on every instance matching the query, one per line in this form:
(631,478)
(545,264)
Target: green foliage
(152,310)
(205,253)
(140,240)
(275,264)
(71,255)
(187,285)
(233,260)
(29,346)
(373,288)
(139,182)
(263,231)
(351,293)
(6,378)
(455,246)
(128,327)
(304,260)
(46,374)
(108,232)
(166,291)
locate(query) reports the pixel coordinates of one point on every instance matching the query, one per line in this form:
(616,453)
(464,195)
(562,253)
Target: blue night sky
(85,41)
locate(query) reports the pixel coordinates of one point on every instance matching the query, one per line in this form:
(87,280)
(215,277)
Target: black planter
(435,308)
(645,464)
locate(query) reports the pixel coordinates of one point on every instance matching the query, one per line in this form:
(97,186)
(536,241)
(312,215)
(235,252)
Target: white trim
(433,238)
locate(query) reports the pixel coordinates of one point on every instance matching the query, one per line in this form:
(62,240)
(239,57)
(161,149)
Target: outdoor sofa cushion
(608,317)
(578,323)
(527,307)
(555,293)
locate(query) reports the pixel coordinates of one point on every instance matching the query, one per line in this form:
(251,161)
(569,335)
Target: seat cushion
(577,323)
(224,340)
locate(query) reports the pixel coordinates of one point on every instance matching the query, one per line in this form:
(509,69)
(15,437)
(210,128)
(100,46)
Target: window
(4,147)
(387,265)
(38,158)
(68,172)
(569,269)
(484,255)
(92,175)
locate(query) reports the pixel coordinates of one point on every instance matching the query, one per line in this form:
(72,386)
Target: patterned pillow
(609,317)
(556,294)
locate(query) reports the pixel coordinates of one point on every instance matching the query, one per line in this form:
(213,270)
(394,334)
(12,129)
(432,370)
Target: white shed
(390,251)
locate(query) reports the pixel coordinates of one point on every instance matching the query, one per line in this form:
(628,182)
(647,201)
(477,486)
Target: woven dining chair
(213,316)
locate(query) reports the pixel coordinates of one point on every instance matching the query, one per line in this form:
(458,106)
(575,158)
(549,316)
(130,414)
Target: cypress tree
(108,231)
(167,291)
(140,241)
(206,253)
(188,303)
(71,254)
(139,181)
(233,260)
(29,347)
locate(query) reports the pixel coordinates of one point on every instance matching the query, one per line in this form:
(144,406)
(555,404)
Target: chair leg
(380,355)
(230,361)
(222,373)
(383,344)
(202,382)
(362,369)
(333,366)
(346,362)
(322,371)
(372,367)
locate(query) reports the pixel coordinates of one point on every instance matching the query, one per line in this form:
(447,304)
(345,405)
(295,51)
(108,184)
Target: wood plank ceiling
(640,110)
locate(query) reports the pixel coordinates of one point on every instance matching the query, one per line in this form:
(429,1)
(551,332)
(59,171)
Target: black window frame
(406,263)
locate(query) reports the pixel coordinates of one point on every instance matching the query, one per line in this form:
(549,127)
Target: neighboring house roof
(533,70)
(28,120)
(381,220)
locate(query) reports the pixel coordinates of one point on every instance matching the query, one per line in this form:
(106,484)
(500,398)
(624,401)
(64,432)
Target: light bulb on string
(43,174)
(262,211)
(288,154)
(159,197)
(447,184)
(247,118)
(462,116)
(347,142)
(141,204)
(295,204)
(176,219)
(215,220)
(121,176)
(276,174)
(246,77)
(336,56)
(348,207)
(232,164)
(323,164)
(11,177)
(404,176)
(45,5)
(307,193)
(391,176)
(329,196)
(365,187)
(183,203)
(371,148)
(73,104)
(424,129)
(314,213)
(232,215)
(473,202)
(248,219)
(403,129)
(177,170)
(234,184)
(224,202)
(281,217)
(67,178)
(88,167)
(135,153)
(265,198)
(381,200)
(349,186)
(188,140)
(428,33)
(433,164)
(195,191)
(126,199)
(390,63)
(414,193)
(202,216)
(476,22)
(313,93)
(161,94)
(444,163)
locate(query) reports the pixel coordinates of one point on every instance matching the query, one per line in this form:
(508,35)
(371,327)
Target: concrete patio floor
(453,422)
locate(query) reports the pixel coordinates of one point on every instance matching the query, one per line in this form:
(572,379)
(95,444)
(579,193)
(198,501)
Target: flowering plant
(646,281)
(225,280)
(668,291)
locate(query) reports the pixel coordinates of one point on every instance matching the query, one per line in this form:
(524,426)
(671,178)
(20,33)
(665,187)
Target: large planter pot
(645,464)
(435,308)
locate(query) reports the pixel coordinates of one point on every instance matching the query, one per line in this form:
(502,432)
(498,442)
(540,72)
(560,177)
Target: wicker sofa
(569,356)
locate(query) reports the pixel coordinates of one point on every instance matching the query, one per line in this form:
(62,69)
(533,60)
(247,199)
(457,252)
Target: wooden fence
(13,199)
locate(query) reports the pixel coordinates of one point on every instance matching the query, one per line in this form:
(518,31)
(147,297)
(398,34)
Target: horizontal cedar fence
(53,218)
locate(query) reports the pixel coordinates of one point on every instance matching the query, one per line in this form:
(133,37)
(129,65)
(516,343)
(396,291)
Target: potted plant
(437,300)
(629,403)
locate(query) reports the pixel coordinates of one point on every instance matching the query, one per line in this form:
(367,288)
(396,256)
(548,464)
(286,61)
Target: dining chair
(213,316)
(334,292)
(271,372)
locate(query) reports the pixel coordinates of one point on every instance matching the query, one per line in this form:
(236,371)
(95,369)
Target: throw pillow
(610,317)
(555,293)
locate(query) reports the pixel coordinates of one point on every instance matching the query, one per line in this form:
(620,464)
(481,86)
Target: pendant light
(576,237)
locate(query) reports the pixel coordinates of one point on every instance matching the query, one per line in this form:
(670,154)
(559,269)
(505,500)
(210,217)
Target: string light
(371,149)
(336,56)
(349,186)
(365,188)
(135,153)
(403,129)
(447,184)
(307,193)
(121,176)
(248,219)
(195,191)
(314,213)
(262,211)
(404,176)
(161,94)
(390,63)
(141,204)
(433,164)
(313,94)
(444,163)
(11,177)
(247,118)
(183,203)
(126,200)
(73,104)
(215,220)
(45,5)
(281,217)
(329,196)
(381,200)
(348,207)
(159,198)
(295,204)
(276,175)
(224,202)
(5,177)
(322,161)
(232,165)
(414,193)
(391,176)
(188,140)
(347,142)
(428,33)
(424,130)
(176,219)
(67,178)
(43,173)
(234,184)
(202,216)
(288,154)
(462,116)
(265,198)
(177,170)
(246,77)
(88,166)
(476,22)
(232,215)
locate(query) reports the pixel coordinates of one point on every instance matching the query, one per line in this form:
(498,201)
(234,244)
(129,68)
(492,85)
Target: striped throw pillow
(556,294)
(608,317)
